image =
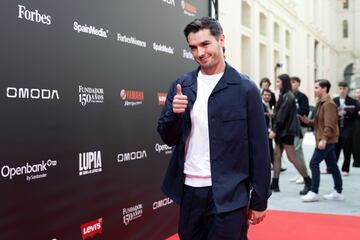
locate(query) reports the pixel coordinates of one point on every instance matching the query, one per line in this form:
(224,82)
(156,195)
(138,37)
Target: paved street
(289,198)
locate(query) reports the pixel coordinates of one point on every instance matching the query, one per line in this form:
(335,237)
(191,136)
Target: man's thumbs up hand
(180,101)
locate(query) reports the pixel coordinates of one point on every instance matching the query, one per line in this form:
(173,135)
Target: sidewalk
(289,199)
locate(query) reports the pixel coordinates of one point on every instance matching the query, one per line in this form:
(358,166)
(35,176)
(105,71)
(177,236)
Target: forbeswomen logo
(32,93)
(89,163)
(32,171)
(132,213)
(92,228)
(188,8)
(33,16)
(132,98)
(92,30)
(130,40)
(90,95)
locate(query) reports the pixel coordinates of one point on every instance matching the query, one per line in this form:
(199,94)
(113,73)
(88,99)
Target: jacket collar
(230,76)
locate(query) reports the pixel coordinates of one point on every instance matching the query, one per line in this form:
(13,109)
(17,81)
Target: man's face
(357,94)
(278,84)
(295,85)
(266,97)
(319,91)
(265,85)
(343,91)
(206,49)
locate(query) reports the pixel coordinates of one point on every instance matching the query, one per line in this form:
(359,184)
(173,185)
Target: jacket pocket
(234,124)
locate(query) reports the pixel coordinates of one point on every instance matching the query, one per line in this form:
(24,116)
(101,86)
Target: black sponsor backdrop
(58,58)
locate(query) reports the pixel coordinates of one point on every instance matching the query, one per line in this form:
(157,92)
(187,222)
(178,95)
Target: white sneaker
(293,179)
(310,197)
(345,174)
(334,196)
(300,180)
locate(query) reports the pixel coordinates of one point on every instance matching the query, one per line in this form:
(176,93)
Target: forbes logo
(33,16)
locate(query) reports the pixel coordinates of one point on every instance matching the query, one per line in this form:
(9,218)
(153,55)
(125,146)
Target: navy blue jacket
(239,151)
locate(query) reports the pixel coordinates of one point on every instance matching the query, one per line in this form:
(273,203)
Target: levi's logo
(92,228)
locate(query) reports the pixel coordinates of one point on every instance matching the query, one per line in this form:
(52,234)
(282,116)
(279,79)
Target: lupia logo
(33,171)
(89,163)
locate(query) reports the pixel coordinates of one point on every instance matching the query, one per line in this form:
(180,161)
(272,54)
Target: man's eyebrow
(202,43)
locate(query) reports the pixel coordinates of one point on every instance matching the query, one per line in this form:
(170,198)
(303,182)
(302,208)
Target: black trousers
(200,221)
(345,142)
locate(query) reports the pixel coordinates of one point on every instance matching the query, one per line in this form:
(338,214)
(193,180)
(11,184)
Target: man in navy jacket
(219,172)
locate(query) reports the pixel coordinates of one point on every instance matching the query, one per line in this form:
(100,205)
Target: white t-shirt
(197,157)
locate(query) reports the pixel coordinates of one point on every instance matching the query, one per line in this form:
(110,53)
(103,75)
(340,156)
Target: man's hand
(180,101)
(271,135)
(256,217)
(322,145)
(304,119)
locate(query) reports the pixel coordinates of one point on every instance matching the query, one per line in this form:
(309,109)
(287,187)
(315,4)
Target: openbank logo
(92,228)
(130,156)
(90,95)
(163,48)
(163,148)
(100,32)
(170,2)
(161,98)
(89,163)
(162,203)
(130,40)
(188,8)
(32,171)
(187,54)
(132,98)
(32,93)
(132,213)
(33,16)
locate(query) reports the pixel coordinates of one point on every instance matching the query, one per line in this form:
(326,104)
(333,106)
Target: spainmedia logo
(132,98)
(32,93)
(31,171)
(158,47)
(161,98)
(33,15)
(187,54)
(90,95)
(89,163)
(90,229)
(132,213)
(189,9)
(92,30)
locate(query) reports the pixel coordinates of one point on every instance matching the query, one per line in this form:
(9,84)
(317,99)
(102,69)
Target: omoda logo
(33,16)
(32,93)
(89,163)
(92,228)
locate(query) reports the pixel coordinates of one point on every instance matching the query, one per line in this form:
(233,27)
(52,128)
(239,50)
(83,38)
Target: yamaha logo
(132,98)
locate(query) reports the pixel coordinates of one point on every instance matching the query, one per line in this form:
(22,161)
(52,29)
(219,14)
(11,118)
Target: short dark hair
(286,84)
(297,79)
(266,90)
(204,23)
(323,83)
(265,79)
(343,84)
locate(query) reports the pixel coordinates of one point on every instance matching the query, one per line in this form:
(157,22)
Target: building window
(246,15)
(345,29)
(345,4)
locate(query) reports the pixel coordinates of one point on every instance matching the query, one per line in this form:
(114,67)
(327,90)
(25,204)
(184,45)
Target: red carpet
(283,225)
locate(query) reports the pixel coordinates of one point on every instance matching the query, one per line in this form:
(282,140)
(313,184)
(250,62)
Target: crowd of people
(336,125)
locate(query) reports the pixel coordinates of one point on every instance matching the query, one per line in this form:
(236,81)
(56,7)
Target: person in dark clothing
(347,114)
(266,96)
(265,84)
(285,128)
(219,172)
(356,135)
(302,105)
